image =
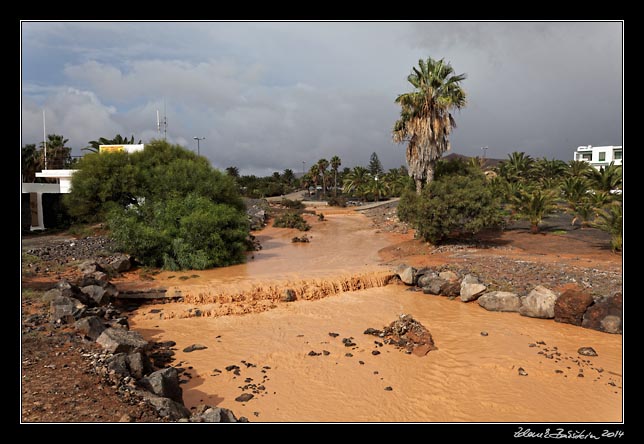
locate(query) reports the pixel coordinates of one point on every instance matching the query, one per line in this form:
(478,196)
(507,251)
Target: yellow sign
(111,148)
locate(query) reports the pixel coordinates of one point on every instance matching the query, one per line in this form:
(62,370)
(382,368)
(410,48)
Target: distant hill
(489,163)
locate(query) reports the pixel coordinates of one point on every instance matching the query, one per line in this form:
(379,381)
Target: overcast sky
(269,95)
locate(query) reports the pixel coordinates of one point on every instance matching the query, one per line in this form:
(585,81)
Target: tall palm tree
(335,164)
(232,171)
(58,155)
(322,165)
(357,180)
(31,160)
(575,189)
(378,187)
(425,117)
(314,171)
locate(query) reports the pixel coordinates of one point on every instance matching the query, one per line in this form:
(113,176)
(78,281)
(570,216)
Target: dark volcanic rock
(244,397)
(166,407)
(451,289)
(117,340)
(334,335)
(288,295)
(91,327)
(372,331)
(164,383)
(63,309)
(410,335)
(587,351)
(194,347)
(605,314)
(571,306)
(433,286)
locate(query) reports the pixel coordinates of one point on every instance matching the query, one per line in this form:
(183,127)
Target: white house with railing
(599,156)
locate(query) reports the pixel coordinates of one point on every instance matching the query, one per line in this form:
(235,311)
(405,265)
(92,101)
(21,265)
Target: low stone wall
(573,306)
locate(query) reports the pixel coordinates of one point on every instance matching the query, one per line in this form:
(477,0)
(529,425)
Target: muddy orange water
(470,377)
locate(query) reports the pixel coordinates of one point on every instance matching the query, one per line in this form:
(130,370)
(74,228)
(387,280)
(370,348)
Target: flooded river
(471,377)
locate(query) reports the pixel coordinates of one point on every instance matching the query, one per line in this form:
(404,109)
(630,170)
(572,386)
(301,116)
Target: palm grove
(457,198)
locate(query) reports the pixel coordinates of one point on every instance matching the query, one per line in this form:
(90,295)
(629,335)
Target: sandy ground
(470,377)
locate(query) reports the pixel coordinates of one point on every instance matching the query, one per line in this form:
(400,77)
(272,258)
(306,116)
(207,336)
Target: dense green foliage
(291,219)
(452,205)
(165,205)
(182,232)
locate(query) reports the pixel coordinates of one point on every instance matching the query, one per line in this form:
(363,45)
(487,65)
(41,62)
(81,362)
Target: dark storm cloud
(268,96)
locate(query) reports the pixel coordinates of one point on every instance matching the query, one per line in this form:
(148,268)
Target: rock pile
(406,334)
(128,361)
(574,306)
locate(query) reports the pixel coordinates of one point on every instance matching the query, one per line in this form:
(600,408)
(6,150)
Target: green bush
(292,204)
(291,220)
(190,232)
(337,201)
(107,181)
(452,206)
(408,207)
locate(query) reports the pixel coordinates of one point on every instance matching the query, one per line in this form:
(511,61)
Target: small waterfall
(234,299)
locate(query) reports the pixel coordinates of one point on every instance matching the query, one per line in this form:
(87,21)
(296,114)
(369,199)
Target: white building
(599,156)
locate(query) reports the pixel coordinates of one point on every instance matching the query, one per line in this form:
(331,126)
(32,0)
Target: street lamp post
(198,139)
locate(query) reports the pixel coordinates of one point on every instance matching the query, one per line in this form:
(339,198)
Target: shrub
(337,201)
(292,204)
(610,220)
(190,232)
(291,220)
(408,207)
(453,205)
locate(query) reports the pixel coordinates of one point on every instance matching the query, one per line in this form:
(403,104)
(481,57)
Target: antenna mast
(165,122)
(44,136)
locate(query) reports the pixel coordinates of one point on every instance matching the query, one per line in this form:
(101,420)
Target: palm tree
(377,187)
(233,171)
(549,170)
(575,189)
(58,155)
(425,120)
(396,181)
(335,164)
(606,178)
(357,180)
(31,160)
(517,168)
(535,205)
(578,168)
(314,171)
(322,165)
(94,145)
(611,221)
(288,176)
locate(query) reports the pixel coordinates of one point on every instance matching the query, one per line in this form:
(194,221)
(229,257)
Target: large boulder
(471,288)
(64,309)
(288,295)
(213,414)
(118,364)
(539,303)
(121,264)
(605,314)
(424,277)
(571,306)
(97,294)
(164,383)
(433,286)
(138,364)
(406,274)
(91,327)
(500,301)
(448,275)
(451,289)
(166,407)
(118,340)
(89,267)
